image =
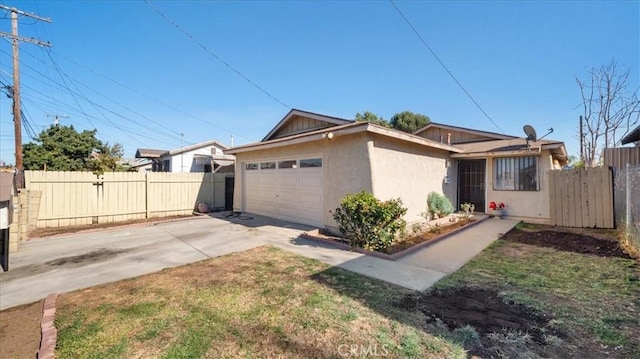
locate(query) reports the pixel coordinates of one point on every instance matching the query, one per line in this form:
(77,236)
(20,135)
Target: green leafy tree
(62,148)
(107,159)
(408,121)
(372,118)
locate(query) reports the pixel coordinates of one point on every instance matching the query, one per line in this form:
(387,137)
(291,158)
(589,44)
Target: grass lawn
(514,300)
(261,303)
(592,303)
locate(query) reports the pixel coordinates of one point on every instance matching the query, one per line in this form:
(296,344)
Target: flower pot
(499,213)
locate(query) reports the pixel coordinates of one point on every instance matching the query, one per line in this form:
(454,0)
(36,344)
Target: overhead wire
(169,134)
(167,105)
(215,56)
(55,102)
(175,139)
(71,92)
(424,42)
(95,106)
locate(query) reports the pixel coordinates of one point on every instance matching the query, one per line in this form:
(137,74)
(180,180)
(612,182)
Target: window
(251,166)
(166,166)
(311,162)
(287,164)
(267,165)
(516,173)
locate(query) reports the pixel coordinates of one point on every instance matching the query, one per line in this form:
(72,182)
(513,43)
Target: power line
(73,81)
(94,104)
(56,103)
(443,65)
(149,97)
(177,26)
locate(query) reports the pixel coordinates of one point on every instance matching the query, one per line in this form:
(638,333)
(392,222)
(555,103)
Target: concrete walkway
(447,256)
(75,261)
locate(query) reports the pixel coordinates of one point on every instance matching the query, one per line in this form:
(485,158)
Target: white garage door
(286,189)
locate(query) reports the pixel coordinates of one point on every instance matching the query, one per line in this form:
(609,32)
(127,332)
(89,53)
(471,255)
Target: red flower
(495,206)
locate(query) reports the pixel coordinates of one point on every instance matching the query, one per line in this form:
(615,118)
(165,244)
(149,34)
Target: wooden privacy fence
(77,198)
(581,197)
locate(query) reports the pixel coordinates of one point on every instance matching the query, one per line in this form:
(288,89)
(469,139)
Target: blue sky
(143,83)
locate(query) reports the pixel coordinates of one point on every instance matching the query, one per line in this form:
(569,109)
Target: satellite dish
(530,132)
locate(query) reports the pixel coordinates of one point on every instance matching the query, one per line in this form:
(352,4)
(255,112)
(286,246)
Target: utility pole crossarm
(20,12)
(17,112)
(25,39)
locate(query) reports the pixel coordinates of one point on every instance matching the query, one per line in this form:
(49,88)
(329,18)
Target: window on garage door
(267,165)
(311,162)
(287,164)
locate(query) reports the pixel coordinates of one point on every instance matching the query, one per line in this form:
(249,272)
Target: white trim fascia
(315,116)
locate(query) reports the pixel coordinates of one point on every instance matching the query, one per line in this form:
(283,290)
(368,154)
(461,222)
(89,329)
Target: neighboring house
(139,164)
(308,162)
(632,137)
(202,157)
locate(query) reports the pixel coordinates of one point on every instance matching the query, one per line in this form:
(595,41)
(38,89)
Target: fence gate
(581,197)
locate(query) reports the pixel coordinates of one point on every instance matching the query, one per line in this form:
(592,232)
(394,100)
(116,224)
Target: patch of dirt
(20,331)
(568,241)
(483,309)
(427,236)
(487,313)
(46,232)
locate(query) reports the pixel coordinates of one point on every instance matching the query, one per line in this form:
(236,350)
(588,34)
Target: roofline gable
(495,135)
(349,128)
(316,116)
(196,146)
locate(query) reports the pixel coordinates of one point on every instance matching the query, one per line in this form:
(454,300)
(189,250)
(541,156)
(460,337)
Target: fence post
(146,195)
(627,189)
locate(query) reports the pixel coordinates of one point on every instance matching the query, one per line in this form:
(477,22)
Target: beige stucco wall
(529,205)
(409,172)
(345,167)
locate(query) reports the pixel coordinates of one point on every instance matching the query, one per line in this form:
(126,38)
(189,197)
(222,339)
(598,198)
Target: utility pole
(17,119)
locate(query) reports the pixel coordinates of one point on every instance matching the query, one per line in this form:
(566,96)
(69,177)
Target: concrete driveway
(70,262)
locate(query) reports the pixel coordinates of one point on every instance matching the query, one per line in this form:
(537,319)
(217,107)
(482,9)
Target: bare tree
(611,107)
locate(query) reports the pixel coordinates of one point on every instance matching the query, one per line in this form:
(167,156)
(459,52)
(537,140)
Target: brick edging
(397,255)
(49,331)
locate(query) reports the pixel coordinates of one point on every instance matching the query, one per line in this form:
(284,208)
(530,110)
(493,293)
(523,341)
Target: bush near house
(368,222)
(438,205)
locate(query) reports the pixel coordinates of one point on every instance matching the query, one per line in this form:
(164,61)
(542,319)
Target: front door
(471,183)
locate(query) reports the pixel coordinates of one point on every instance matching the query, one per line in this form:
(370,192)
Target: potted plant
(497,208)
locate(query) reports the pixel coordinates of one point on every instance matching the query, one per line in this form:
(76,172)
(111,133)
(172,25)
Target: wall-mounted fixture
(327,135)
(447,179)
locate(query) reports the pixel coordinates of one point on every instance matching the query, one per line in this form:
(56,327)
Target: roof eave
(469,130)
(347,129)
(196,146)
(631,137)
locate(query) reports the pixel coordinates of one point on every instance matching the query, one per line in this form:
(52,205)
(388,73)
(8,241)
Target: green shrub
(438,205)
(368,222)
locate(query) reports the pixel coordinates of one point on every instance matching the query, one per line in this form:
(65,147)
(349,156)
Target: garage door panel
(293,194)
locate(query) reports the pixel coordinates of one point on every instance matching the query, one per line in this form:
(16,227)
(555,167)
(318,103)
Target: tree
(372,118)
(408,121)
(62,148)
(610,105)
(107,159)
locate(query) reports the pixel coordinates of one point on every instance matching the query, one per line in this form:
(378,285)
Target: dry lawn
(261,303)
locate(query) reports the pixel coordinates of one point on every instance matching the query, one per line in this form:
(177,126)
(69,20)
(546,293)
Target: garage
(288,189)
